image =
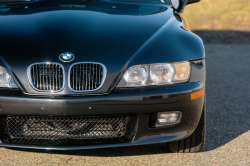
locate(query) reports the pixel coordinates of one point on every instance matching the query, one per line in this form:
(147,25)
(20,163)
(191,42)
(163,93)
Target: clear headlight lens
(175,3)
(161,74)
(156,74)
(5,79)
(136,76)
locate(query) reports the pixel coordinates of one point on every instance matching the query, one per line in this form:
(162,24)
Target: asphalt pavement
(228,124)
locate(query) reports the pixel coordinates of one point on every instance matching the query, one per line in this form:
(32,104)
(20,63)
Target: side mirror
(183,3)
(192,1)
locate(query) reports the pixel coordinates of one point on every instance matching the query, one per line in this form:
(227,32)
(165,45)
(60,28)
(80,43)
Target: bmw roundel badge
(67,57)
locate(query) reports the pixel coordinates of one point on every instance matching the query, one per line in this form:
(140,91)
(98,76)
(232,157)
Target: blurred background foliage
(220,21)
(219,15)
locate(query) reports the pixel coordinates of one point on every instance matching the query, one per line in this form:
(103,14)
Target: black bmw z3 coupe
(85,74)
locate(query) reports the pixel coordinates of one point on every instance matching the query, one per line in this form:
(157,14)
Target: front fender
(171,43)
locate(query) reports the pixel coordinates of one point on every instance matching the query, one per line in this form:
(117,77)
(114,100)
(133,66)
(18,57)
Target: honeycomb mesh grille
(40,130)
(86,76)
(46,76)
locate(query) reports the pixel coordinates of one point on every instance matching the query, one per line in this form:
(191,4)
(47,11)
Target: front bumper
(141,102)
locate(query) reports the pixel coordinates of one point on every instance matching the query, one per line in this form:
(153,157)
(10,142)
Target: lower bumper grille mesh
(65,131)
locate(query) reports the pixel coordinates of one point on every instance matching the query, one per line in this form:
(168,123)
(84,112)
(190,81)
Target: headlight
(136,75)
(161,74)
(175,3)
(156,74)
(5,79)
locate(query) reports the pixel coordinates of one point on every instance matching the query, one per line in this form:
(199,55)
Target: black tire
(193,143)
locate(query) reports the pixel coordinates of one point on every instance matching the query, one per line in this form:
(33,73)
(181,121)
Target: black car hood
(106,32)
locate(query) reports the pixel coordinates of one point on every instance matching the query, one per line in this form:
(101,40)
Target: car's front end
(80,75)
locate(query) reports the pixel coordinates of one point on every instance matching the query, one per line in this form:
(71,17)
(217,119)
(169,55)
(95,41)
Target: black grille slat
(79,83)
(37,77)
(89,74)
(59,74)
(53,76)
(96,76)
(50,78)
(45,130)
(46,77)
(86,76)
(43,73)
(99,75)
(73,77)
(33,74)
(83,77)
(93,76)
(56,78)
(76,76)
(86,79)
(40,86)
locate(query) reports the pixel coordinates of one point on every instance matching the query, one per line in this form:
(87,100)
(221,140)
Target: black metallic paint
(120,37)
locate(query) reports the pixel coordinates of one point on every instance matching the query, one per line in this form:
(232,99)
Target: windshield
(143,1)
(1,1)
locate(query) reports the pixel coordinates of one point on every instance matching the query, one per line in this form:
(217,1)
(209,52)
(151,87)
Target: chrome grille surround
(43,82)
(83,78)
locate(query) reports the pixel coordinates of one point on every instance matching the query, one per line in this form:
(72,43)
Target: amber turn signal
(197,94)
